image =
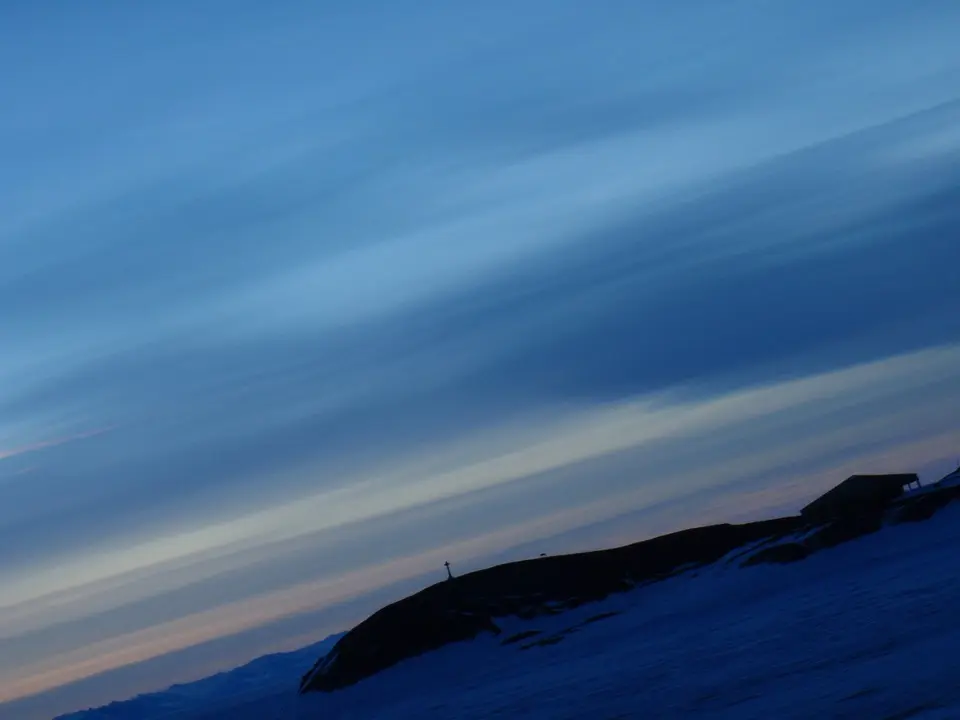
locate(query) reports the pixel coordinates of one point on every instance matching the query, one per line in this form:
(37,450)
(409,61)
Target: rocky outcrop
(925,506)
(466,606)
(784,553)
(463,607)
(845,529)
(916,507)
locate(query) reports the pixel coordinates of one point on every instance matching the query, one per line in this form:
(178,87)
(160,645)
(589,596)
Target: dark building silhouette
(859,494)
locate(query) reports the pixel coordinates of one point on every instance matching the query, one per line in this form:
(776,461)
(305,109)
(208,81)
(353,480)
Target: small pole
(449,574)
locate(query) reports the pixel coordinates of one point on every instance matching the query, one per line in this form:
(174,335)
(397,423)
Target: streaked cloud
(351,284)
(881,414)
(54,442)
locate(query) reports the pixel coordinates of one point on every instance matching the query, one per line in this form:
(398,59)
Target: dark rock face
(525,635)
(845,529)
(923,507)
(462,608)
(916,508)
(423,622)
(782,554)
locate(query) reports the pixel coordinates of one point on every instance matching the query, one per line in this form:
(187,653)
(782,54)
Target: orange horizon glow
(238,616)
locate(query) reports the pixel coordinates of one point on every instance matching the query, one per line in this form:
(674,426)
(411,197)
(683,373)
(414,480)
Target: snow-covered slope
(867,629)
(267,684)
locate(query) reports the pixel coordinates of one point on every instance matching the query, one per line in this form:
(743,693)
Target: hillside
(778,618)
(865,629)
(461,608)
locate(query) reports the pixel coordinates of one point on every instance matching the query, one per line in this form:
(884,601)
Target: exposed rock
(545,642)
(425,621)
(925,506)
(462,608)
(525,635)
(922,508)
(782,554)
(845,529)
(599,617)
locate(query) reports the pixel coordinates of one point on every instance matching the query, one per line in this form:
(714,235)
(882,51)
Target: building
(859,494)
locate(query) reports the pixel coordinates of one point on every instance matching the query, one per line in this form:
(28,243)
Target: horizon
(300,303)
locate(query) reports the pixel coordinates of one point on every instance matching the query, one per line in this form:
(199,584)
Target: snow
(867,629)
(951,480)
(269,683)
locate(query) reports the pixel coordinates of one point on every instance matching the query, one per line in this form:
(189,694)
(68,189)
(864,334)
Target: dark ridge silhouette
(460,608)
(857,493)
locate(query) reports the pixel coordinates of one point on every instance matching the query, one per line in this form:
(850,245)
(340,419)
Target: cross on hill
(449,574)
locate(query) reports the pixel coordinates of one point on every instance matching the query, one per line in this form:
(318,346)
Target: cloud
(758,430)
(743,289)
(55,442)
(382,279)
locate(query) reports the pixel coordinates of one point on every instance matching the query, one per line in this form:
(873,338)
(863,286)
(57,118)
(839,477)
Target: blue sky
(298,302)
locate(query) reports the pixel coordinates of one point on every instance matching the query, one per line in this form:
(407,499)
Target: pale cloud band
(892,412)
(426,277)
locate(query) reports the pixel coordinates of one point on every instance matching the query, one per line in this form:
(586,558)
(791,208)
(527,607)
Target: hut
(859,494)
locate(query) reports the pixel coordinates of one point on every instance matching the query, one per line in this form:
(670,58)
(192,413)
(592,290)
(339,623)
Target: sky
(300,300)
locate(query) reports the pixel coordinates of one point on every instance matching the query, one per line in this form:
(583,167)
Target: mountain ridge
(461,608)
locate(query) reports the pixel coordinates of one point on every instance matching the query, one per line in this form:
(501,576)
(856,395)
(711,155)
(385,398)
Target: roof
(859,488)
(867,483)
(888,478)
